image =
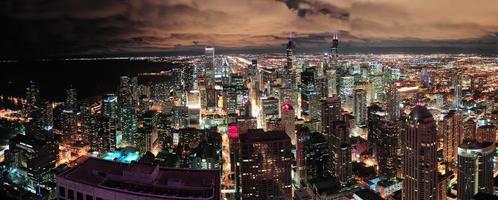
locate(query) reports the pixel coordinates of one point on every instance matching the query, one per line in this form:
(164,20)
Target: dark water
(89,77)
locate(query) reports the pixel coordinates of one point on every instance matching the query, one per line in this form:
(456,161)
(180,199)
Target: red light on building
(233,131)
(286,107)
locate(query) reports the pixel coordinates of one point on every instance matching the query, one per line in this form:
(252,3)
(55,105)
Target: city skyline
(249,100)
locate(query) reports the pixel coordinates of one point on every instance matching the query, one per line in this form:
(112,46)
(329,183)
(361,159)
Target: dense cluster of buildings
(269,127)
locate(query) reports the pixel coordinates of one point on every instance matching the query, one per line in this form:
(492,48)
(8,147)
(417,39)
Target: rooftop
(145,179)
(259,135)
(420,113)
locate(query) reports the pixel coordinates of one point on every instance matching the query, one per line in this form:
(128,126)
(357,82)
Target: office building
(100,179)
(265,165)
(475,168)
(420,163)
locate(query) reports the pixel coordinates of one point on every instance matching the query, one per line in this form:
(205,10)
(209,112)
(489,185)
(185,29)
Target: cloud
(311,7)
(60,27)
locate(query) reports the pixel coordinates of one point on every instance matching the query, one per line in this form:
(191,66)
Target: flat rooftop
(145,179)
(259,135)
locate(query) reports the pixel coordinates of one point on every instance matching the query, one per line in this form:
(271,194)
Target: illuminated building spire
(334,48)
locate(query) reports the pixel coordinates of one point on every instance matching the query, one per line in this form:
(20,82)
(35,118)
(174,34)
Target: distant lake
(89,77)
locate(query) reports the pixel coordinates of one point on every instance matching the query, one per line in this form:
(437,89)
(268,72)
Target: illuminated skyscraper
(340,152)
(288,120)
(383,136)
(209,56)
(148,131)
(458,92)
(291,53)
(360,107)
(346,88)
(485,130)
(392,102)
(110,106)
(127,114)
(69,116)
(451,128)
(269,110)
(331,111)
(265,165)
(32,96)
(334,50)
(316,155)
(469,129)
(331,83)
(102,133)
(420,163)
(387,149)
(475,169)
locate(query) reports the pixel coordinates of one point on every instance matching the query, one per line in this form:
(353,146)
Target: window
(62,191)
(89,197)
(79,196)
(70,194)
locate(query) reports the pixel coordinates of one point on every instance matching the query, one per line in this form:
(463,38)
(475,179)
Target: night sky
(43,28)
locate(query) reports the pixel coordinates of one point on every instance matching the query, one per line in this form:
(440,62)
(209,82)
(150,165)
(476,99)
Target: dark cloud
(311,7)
(38,28)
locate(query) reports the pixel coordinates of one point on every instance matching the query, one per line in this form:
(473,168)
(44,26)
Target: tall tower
(69,114)
(127,114)
(291,53)
(32,96)
(360,107)
(392,107)
(340,152)
(451,129)
(458,92)
(331,111)
(265,165)
(288,121)
(334,48)
(485,130)
(420,164)
(383,136)
(475,168)
(209,56)
(71,99)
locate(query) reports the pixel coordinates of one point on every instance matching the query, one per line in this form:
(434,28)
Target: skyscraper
(331,111)
(316,155)
(291,53)
(127,113)
(69,116)
(209,56)
(346,87)
(451,128)
(32,96)
(475,168)
(392,102)
(265,165)
(360,107)
(458,91)
(288,120)
(485,130)
(110,106)
(420,163)
(383,136)
(102,133)
(334,53)
(340,152)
